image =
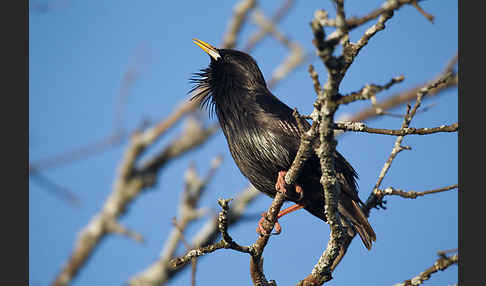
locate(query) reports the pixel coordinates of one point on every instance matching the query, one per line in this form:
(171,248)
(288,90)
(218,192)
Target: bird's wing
(278,117)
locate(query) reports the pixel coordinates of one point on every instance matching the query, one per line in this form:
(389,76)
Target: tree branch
(397,148)
(442,263)
(361,127)
(411,194)
(129,183)
(240,12)
(400,98)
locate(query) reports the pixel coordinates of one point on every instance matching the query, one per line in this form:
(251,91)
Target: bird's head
(229,70)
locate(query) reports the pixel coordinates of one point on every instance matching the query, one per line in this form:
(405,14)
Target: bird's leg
(281,186)
(289,210)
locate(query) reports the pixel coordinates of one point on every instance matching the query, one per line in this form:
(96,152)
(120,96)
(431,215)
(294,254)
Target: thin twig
(372,200)
(368,91)
(50,186)
(400,98)
(256,37)
(188,212)
(240,12)
(361,127)
(327,104)
(296,55)
(188,247)
(128,184)
(429,17)
(82,152)
(117,136)
(380,194)
(442,263)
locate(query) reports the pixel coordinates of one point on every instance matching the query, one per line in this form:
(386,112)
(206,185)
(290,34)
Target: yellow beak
(212,51)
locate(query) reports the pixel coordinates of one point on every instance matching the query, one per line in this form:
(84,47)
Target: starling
(263,136)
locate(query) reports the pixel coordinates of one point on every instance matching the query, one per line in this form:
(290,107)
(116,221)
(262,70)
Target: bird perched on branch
(263,136)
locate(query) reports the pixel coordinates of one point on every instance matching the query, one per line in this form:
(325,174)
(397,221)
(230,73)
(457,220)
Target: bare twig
(361,127)
(442,263)
(296,56)
(256,37)
(227,242)
(397,148)
(369,91)
(60,191)
(118,134)
(255,250)
(240,11)
(79,153)
(128,184)
(129,78)
(188,212)
(379,194)
(444,252)
(210,231)
(115,227)
(429,17)
(203,242)
(327,104)
(188,247)
(400,98)
(413,194)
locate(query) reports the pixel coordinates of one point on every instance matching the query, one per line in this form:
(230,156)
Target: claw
(382,204)
(261,231)
(281,185)
(299,191)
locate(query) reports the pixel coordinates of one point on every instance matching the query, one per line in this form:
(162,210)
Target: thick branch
(325,108)
(327,104)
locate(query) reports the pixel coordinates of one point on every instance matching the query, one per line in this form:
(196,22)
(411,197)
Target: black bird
(263,136)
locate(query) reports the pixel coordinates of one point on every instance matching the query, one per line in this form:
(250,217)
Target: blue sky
(78,54)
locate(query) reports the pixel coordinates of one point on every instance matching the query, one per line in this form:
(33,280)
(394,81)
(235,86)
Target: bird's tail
(362,226)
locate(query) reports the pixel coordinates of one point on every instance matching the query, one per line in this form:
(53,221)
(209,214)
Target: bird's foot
(278,229)
(281,186)
(381,204)
(261,230)
(377,201)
